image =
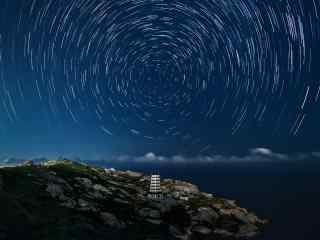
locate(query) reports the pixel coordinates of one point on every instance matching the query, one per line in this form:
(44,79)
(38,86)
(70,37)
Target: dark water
(286,193)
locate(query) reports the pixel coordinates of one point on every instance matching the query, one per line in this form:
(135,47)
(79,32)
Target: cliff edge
(69,200)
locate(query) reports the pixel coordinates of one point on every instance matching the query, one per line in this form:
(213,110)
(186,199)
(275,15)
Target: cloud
(263,151)
(254,155)
(316,154)
(150,156)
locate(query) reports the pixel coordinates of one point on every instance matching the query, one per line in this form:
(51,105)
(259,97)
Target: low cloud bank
(255,155)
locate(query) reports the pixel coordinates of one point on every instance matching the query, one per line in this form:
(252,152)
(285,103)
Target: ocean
(288,193)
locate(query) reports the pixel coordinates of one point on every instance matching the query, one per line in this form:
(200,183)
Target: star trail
(189,76)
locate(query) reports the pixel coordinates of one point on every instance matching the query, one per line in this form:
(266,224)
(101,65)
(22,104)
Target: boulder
(207,195)
(222,233)
(149,213)
(96,195)
(181,234)
(242,215)
(86,206)
(201,230)
(51,163)
(111,220)
(51,177)
(205,215)
(68,202)
(124,193)
(231,203)
(134,174)
(28,163)
(101,188)
(121,201)
(247,231)
(185,187)
(154,221)
(83,203)
(164,206)
(175,231)
(86,182)
(55,190)
(154,214)
(253,219)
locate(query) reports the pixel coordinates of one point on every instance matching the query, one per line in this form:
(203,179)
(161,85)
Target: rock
(223,233)
(253,219)
(68,202)
(242,215)
(154,221)
(231,203)
(111,220)
(149,213)
(229,223)
(185,187)
(28,163)
(154,214)
(96,195)
(57,191)
(208,195)
(231,212)
(121,201)
(124,194)
(217,206)
(101,188)
(83,203)
(175,231)
(87,183)
(134,174)
(86,206)
(201,230)
(114,183)
(164,206)
(51,177)
(54,190)
(179,233)
(247,231)
(206,215)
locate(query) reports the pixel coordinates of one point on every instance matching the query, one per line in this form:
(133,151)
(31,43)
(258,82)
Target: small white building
(155,187)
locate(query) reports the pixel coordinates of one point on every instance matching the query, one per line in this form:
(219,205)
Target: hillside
(69,200)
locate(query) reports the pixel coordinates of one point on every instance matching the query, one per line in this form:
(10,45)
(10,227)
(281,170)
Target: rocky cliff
(69,200)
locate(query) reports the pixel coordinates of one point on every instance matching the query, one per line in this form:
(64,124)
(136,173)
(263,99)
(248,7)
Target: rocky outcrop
(55,190)
(205,215)
(111,220)
(68,200)
(180,186)
(133,174)
(29,163)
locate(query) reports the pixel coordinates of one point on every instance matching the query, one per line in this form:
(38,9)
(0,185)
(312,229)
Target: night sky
(100,78)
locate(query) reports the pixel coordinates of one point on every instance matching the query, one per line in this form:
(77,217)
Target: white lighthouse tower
(155,187)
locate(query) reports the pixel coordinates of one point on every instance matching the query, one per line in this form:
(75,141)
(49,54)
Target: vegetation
(68,200)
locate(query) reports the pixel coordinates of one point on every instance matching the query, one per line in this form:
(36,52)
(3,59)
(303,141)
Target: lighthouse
(155,187)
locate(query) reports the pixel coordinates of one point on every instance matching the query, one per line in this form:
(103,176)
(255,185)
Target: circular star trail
(158,69)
